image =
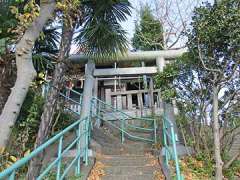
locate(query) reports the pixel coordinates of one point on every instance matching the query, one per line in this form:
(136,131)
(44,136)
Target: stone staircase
(132,160)
(129,167)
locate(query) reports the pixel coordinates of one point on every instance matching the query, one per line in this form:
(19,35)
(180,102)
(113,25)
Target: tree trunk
(49,107)
(217,150)
(25,71)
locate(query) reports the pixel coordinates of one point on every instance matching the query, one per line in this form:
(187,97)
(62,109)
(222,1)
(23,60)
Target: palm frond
(43,62)
(50,41)
(46,48)
(101,33)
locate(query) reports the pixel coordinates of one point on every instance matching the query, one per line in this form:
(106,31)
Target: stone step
(117,148)
(129,170)
(141,135)
(123,151)
(141,131)
(130,177)
(148,139)
(113,151)
(108,130)
(127,156)
(103,137)
(126,161)
(66,161)
(129,167)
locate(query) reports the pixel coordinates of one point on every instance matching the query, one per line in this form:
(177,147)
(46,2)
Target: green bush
(233,170)
(24,131)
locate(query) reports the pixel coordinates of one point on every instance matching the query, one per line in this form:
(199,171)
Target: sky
(185,8)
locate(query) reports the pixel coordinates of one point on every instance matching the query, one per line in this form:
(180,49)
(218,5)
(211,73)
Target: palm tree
(49,43)
(101,36)
(46,48)
(99,32)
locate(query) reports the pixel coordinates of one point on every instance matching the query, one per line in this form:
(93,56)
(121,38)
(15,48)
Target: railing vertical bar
(155,131)
(86,140)
(90,122)
(122,127)
(78,166)
(175,153)
(12,176)
(59,158)
(165,142)
(98,111)
(168,131)
(80,99)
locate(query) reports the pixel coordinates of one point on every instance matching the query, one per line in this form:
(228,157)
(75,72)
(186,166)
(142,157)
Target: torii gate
(161,57)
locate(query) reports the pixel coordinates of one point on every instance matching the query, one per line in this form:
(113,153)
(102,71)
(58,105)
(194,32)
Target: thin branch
(229,163)
(204,65)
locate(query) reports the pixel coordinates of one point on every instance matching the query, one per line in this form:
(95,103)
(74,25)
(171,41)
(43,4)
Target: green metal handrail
(97,108)
(101,107)
(63,93)
(169,142)
(71,91)
(117,110)
(58,138)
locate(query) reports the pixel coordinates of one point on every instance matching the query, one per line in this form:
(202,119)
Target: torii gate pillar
(160,62)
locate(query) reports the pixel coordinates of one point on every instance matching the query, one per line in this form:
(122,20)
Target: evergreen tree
(148,32)
(206,80)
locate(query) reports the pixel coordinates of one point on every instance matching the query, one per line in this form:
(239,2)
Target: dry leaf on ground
(97,172)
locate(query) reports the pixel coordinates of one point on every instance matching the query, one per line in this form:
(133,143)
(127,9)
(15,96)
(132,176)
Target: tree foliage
(101,33)
(46,48)
(8,22)
(212,61)
(148,32)
(213,48)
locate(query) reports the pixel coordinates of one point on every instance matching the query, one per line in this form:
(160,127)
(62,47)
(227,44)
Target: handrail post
(155,131)
(80,103)
(12,176)
(90,127)
(98,105)
(165,141)
(80,99)
(59,158)
(173,137)
(78,166)
(98,111)
(122,130)
(168,131)
(86,141)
